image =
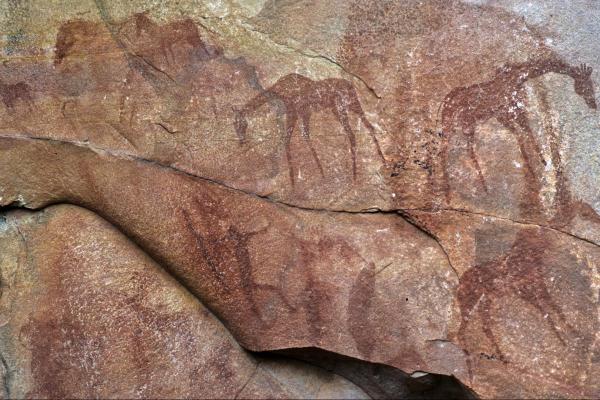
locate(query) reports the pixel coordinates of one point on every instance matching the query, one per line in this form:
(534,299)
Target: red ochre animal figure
(503,97)
(302,97)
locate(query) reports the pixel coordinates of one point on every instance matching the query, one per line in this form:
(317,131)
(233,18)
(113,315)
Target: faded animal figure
(519,273)
(13,92)
(503,97)
(225,254)
(302,97)
(177,32)
(70,34)
(521,270)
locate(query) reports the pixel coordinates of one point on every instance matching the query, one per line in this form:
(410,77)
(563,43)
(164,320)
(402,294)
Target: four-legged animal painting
(519,272)
(302,97)
(503,97)
(12,93)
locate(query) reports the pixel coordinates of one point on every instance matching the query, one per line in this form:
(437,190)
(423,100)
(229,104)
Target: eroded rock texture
(87,314)
(390,188)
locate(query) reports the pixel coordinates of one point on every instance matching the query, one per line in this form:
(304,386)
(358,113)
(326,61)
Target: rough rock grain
(408,183)
(86,314)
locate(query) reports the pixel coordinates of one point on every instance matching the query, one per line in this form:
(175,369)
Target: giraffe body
(518,273)
(503,97)
(301,98)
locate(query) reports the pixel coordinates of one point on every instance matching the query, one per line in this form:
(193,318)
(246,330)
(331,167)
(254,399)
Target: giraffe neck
(535,69)
(258,101)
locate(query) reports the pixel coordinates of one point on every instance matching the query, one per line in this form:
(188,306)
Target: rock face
(406,187)
(87,314)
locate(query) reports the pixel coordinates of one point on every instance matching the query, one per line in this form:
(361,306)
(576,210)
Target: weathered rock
(407,183)
(278,276)
(85,313)
(526,303)
(381,381)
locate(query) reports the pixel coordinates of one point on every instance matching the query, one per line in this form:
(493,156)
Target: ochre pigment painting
(387,199)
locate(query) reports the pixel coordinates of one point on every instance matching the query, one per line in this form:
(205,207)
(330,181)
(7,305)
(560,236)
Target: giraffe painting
(520,272)
(302,97)
(503,97)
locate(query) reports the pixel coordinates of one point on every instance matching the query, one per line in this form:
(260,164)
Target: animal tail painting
(240,124)
(437,115)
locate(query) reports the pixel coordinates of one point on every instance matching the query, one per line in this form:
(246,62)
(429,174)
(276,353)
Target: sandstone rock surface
(85,313)
(409,185)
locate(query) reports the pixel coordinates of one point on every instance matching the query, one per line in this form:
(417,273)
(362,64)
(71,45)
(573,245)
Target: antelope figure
(302,97)
(504,98)
(12,92)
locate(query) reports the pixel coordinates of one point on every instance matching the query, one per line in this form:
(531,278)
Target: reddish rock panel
(244,145)
(88,314)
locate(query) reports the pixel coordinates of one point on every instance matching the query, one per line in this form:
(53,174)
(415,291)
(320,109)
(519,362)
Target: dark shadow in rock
(379,381)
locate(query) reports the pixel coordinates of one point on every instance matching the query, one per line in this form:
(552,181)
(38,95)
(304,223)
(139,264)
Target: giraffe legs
(342,116)
(523,122)
(357,109)
(526,145)
(537,295)
(464,323)
(470,133)
(305,129)
(290,123)
(368,125)
(549,317)
(480,305)
(486,321)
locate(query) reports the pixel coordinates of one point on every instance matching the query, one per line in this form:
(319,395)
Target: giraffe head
(584,86)
(240,124)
